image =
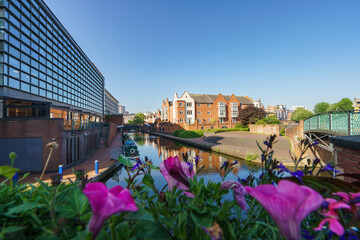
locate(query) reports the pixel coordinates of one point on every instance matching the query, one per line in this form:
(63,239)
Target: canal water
(158,149)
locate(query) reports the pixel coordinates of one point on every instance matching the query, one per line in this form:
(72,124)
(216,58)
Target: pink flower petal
(339,205)
(355,195)
(105,203)
(288,204)
(321,224)
(239,192)
(330,200)
(336,227)
(345,196)
(181,171)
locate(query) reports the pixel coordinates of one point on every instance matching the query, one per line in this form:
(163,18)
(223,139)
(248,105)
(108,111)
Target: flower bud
(162,197)
(12,155)
(52,145)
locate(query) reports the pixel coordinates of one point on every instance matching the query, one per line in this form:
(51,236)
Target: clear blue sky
(285,52)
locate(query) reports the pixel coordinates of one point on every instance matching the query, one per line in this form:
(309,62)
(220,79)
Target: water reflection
(158,149)
(167,148)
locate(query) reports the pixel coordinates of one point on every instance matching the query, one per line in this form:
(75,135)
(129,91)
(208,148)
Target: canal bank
(237,144)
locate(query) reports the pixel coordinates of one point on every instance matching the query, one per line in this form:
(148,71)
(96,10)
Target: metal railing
(342,122)
(80,124)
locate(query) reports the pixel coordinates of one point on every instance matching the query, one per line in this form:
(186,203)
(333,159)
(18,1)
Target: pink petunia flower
(239,192)
(349,197)
(105,203)
(176,174)
(288,204)
(332,217)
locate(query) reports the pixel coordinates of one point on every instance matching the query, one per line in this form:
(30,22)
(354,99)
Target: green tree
(300,114)
(321,107)
(268,120)
(343,104)
(139,118)
(251,115)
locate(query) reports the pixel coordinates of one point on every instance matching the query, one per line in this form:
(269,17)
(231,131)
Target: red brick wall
(112,132)
(117,119)
(46,129)
(348,159)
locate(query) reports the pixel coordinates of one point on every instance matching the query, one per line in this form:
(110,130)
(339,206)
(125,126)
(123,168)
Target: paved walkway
(105,156)
(240,144)
(244,143)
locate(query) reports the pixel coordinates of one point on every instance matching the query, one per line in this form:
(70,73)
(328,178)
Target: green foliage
(49,213)
(321,107)
(139,119)
(343,104)
(251,156)
(300,114)
(251,114)
(268,120)
(282,132)
(176,133)
(189,134)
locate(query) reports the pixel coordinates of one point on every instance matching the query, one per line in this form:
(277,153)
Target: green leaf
(26,206)
(11,229)
(122,231)
(141,214)
(83,235)
(202,219)
(149,181)
(8,171)
(149,230)
(126,161)
(75,203)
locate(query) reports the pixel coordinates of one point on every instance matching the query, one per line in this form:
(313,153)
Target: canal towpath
(105,156)
(238,144)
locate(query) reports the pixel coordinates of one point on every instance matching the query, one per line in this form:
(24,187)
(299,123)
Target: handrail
(70,124)
(341,122)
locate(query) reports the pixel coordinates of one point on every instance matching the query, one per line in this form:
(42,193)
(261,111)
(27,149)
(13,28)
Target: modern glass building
(43,71)
(111,103)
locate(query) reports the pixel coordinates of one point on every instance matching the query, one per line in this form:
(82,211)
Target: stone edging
(105,173)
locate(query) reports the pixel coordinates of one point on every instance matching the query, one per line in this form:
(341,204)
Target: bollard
(96,167)
(61,171)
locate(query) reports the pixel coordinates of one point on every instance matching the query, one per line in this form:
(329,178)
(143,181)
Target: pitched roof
(210,98)
(244,100)
(201,98)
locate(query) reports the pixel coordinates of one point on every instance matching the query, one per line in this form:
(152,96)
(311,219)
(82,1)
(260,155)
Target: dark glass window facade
(111,104)
(39,57)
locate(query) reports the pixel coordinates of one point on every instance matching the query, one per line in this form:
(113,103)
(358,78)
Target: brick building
(203,111)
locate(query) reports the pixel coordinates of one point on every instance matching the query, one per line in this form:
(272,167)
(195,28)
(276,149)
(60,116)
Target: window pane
(13,62)
(14,83)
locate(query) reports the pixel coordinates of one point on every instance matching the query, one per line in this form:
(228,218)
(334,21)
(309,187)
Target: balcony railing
(80,124)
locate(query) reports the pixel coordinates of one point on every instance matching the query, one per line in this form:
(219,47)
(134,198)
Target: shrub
(269,120)
(176,133)
(251,156)
(240,125)
(282,132)
(251,114)
(189,134)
